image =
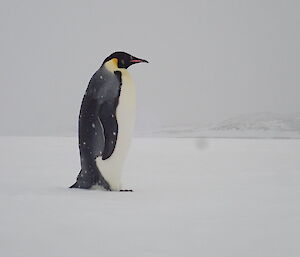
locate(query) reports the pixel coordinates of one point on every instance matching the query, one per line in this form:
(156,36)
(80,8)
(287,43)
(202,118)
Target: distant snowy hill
(258,125)
(262,121)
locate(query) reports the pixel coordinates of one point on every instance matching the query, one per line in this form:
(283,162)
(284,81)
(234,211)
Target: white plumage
(111,168)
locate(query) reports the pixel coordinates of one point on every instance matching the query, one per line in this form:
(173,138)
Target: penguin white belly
(111,168)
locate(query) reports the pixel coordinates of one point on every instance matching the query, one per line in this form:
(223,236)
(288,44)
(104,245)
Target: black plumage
(98,125)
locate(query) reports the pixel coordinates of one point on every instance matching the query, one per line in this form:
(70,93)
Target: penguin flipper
(107,116)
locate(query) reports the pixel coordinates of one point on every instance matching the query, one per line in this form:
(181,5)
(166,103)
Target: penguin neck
(112,66)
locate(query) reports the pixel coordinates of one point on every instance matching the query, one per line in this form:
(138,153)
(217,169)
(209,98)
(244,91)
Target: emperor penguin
(106,123)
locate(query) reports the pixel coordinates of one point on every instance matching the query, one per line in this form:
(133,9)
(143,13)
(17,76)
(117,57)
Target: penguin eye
(122,61)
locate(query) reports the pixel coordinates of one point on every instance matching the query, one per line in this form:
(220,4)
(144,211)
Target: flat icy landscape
(192,197)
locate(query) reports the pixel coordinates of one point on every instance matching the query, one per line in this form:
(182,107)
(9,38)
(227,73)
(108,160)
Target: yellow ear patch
(115,61)
(112,65)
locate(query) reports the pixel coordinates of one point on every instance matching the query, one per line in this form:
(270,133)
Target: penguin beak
(137,60)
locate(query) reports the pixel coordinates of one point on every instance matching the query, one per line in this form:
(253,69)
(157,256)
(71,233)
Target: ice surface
(192,197)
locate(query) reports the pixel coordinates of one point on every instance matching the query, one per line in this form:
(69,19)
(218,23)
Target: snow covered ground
(192,197)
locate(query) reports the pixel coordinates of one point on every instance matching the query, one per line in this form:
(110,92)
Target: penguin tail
(86,179)
(81,185)
(74,185)
(90,177)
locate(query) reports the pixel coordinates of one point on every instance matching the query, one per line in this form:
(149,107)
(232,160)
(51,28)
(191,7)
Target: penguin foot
(126,190)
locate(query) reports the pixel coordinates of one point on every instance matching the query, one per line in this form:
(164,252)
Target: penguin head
(123,60)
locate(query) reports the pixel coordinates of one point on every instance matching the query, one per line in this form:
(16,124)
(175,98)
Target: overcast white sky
(209,60)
